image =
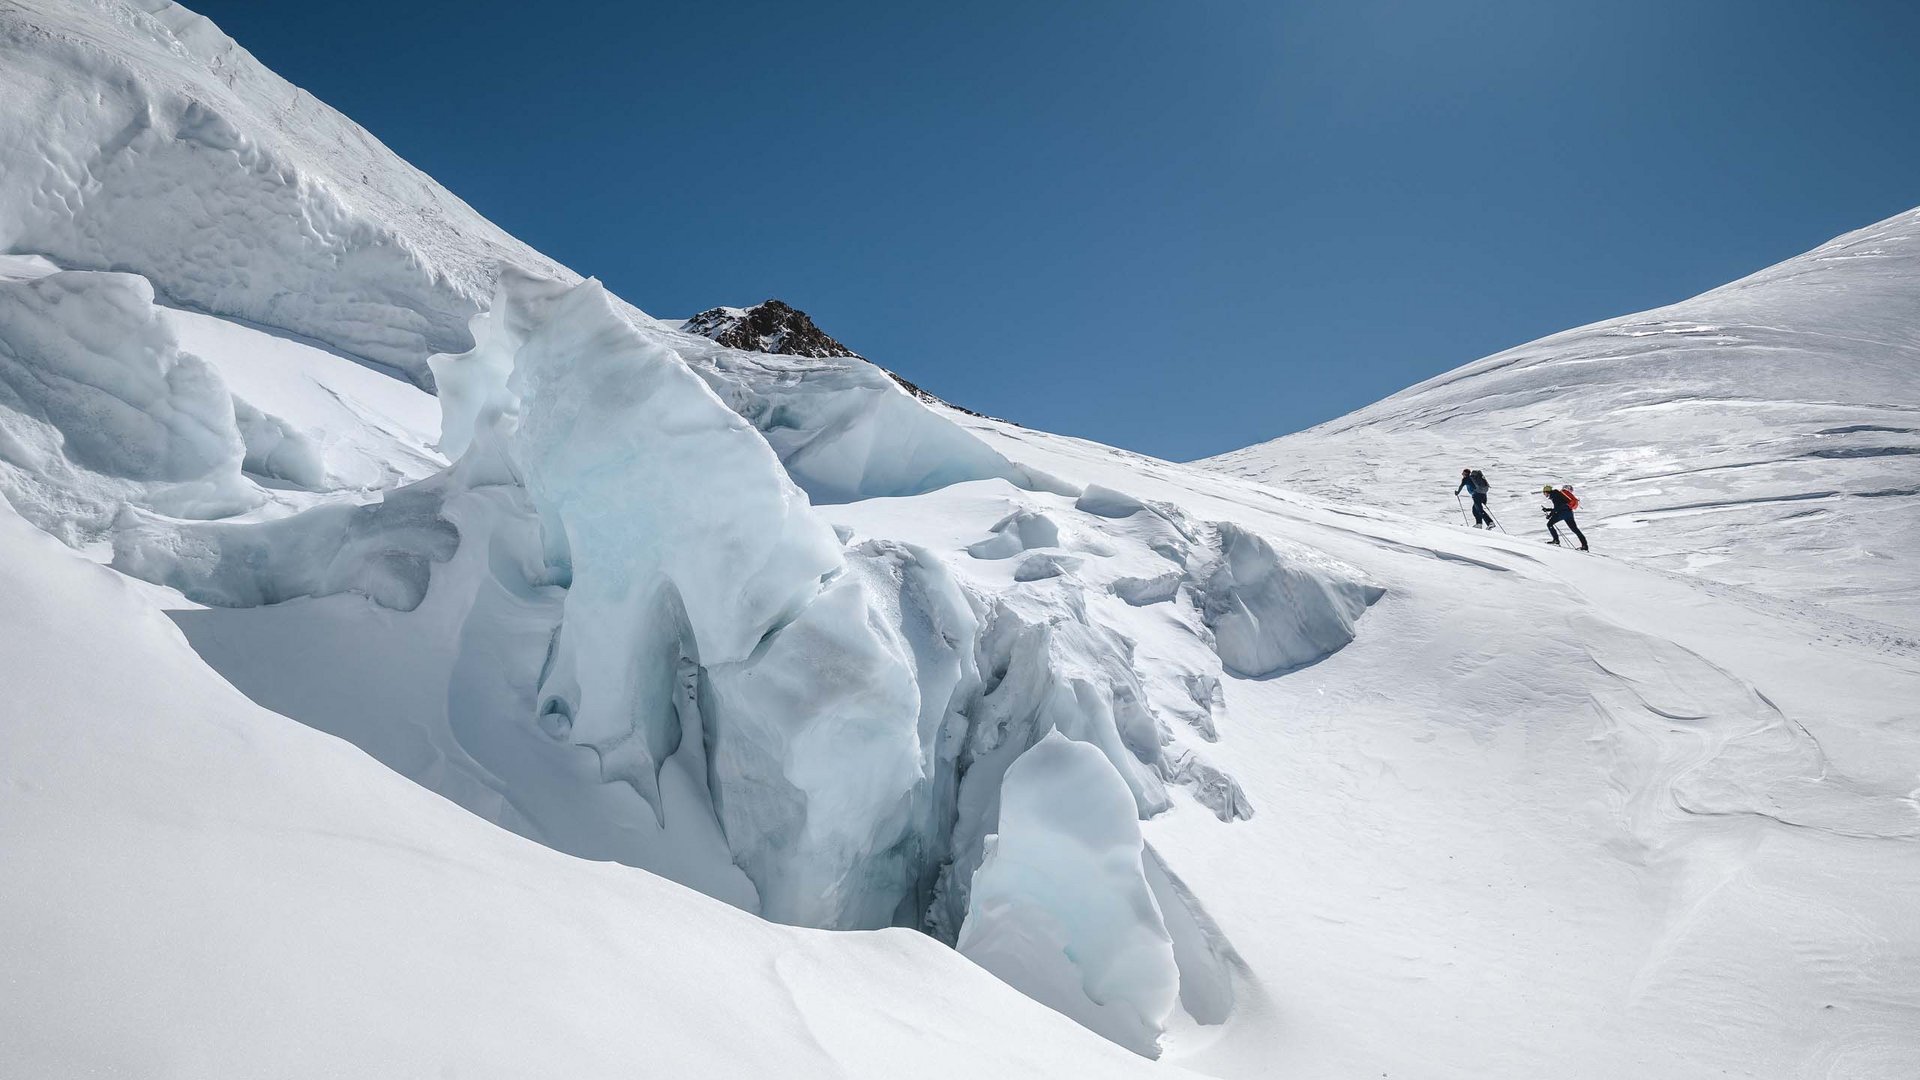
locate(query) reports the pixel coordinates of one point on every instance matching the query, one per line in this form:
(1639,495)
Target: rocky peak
(769,327)
(775,326)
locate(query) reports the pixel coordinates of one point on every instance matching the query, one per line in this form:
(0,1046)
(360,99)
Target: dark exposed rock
(777,327)
(771,327)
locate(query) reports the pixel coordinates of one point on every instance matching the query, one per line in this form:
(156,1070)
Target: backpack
(1573,501)
(1478,483)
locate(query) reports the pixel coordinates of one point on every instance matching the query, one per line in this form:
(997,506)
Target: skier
(1471,480)
(1561,511)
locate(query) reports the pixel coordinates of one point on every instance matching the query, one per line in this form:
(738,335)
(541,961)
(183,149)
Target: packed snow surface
(357,731)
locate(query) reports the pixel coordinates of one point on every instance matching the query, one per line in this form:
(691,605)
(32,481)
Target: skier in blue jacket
(1472,480)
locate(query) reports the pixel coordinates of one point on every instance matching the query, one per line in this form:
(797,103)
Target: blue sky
(1175,227)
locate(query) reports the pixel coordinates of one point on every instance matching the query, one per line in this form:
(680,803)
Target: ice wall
(703,592)
(384,550)
(1061,909)
(1271,613)
(845,430)
(100,408)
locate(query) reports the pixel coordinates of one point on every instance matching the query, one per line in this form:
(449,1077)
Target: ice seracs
(107,411)
(289,891)
(1061,908)
(1274,785)
(706,606)
(1268,613)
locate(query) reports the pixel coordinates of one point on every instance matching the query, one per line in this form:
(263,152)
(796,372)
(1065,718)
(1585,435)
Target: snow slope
(1762,434)
(1257,782)
(1552,815)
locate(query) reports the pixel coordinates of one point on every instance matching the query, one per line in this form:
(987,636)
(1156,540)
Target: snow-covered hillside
(355,730)
(1763,434)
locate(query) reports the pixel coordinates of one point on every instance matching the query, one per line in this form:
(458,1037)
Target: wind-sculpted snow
(1080,655)
(279,451)
(616,624)
(856,711)
(1271,613)
(1061,908)
(844,428)
(100,408)
(834,721)
(384,551)
(138,137)
(1271,606)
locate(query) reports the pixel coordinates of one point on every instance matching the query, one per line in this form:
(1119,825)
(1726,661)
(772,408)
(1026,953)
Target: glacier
(1061,908)
(417,653)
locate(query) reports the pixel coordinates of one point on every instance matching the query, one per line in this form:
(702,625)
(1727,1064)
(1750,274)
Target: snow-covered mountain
(544,725)
(1763,434)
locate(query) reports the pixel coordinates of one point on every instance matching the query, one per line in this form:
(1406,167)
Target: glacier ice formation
(629,610)
(1061,908)
(811,724)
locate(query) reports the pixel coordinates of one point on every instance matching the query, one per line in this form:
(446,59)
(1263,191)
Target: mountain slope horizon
(1760,431)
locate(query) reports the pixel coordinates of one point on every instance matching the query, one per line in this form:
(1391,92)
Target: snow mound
(99,408)
(1029,529)
(1271,613)
(1061,908)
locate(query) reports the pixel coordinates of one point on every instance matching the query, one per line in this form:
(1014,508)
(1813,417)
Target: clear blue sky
(1179,227)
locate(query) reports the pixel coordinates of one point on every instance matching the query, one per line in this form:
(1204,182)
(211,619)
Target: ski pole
(1462,506)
